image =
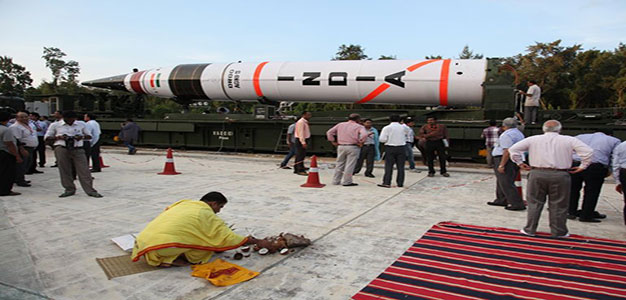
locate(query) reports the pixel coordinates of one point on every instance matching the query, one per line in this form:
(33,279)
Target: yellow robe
(189,227)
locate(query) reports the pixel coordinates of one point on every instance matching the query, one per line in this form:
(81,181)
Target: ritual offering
(282,243)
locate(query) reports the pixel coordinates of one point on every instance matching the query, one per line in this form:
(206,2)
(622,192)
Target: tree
(385,57)
(14,79)
(433,57)
(550,65)
(466,53)
(351,52)
(61,70)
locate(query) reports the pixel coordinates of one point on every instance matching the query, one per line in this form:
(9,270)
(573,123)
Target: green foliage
(14,79)
(466,53)
(387,57)
(62,71)
(572,78)
(433,57)
(350,52)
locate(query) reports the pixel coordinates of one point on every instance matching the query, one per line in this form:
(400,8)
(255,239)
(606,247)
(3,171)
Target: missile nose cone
(111,83)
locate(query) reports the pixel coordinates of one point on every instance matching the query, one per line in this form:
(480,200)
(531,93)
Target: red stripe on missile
(152,80)
(443,82)
(135,84)
(381,88)
(421,64)
(255,79)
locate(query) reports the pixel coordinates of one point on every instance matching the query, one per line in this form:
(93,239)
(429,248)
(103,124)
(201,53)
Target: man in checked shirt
(490,134)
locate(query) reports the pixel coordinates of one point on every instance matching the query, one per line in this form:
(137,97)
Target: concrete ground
(49,244)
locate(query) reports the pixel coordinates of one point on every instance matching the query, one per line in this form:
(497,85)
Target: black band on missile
(111,83)
(185,81)
(365,78)
(286,78)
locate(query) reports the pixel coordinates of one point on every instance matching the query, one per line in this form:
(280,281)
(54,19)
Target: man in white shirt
(410,139)
(550,158)
(68,136)
(40,152)
(531,105)
(27,138)
(394,138)
(94,144)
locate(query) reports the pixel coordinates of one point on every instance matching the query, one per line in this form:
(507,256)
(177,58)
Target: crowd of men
(358,142)
(559,166)
(24,139)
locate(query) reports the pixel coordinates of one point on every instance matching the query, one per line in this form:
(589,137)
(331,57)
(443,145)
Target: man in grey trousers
(505,169)
(68,136)
(348,137)
(550,159)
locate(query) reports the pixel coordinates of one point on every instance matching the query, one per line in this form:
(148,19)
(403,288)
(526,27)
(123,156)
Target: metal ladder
(281,143)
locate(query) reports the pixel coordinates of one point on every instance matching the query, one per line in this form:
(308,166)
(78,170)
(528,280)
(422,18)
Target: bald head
(22,117)
(354,117)
(552,126)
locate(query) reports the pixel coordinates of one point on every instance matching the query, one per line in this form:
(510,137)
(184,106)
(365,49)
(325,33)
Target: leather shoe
(445,175)
(509,207)
(67,194)
(431,174)
(94,194)
(597,215)
(494,203)
(351,184)
(589,220)
(400,185)
(23,184)
(303,173)
(370,175)
(572,217)
(384,185)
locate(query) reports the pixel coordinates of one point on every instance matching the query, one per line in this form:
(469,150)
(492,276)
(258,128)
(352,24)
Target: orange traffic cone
(518,184)
(169,168)
(102,165)
(314,177)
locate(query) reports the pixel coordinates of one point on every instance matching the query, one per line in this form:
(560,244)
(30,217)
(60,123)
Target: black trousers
(593,178)
(300,155)
(7,172)
(95,156)
(23,168)
(394,155)
(622,181)
(367,154)
(438,147)
(40,152)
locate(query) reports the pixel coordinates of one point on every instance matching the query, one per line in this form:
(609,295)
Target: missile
(434,82)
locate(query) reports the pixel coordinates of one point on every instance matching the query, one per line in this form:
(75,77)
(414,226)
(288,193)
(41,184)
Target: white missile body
(445,82)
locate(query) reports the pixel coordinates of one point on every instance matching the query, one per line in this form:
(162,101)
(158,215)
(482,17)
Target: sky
(112,37)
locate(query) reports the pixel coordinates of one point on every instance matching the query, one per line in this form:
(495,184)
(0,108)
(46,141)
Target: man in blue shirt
(505,169)
(370,150)
(619,171)
(593,177)
(291,142)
